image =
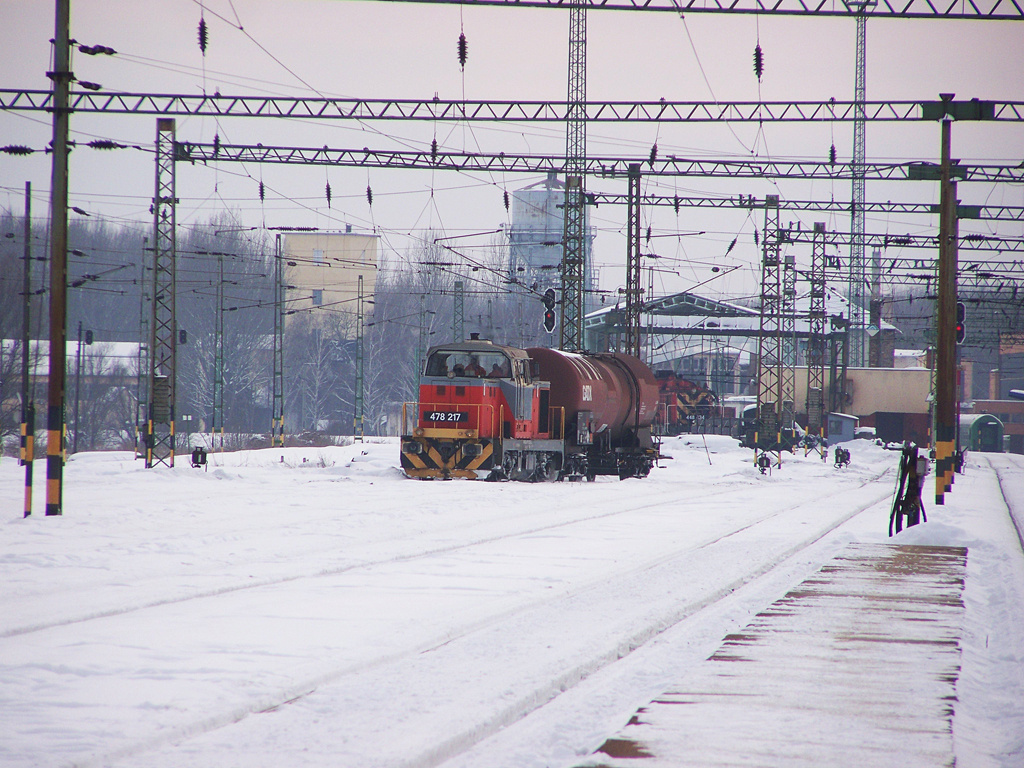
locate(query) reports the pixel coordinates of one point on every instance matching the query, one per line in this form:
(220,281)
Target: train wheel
(547,470)
(509,464)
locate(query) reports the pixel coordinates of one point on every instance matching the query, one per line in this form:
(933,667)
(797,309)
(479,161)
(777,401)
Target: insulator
(505,196)
(758,62)
(89,86)
(262,191)
(757,240)
(654,154)
(675,204)
(203,35)
(731,246)
(832,155)
(433,149)
(216,144)
(328,190)
(95,50)
(463,50)
(648,234)
(369,195)
(105,144)
(16,149)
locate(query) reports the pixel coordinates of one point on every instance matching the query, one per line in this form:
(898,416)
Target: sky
(313,607)
(405,50)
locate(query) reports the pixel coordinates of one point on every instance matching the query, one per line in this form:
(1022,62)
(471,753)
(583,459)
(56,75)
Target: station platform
(856,666)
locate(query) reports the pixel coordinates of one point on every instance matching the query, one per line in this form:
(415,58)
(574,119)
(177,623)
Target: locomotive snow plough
(495,412)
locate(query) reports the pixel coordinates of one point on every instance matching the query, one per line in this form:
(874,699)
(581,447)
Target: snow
(315,607)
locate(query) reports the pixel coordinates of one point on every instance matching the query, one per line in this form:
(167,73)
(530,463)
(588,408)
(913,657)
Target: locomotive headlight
(412,447)
(472,449)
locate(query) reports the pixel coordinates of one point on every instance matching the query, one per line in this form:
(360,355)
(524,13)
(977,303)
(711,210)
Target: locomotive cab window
(463,364)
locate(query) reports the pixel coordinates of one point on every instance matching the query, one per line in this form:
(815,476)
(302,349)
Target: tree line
(110,289)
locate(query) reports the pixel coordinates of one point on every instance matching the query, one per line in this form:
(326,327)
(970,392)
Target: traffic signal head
(961,322)
(549,309)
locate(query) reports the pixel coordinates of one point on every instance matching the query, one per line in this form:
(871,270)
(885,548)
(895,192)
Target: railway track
(363,556)
(542,610)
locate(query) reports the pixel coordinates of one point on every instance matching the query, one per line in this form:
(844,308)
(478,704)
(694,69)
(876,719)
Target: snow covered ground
(313,607)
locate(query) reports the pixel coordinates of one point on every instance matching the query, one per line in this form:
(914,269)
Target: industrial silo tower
(536,236)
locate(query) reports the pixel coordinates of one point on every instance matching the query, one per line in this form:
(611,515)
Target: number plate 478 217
(447,417)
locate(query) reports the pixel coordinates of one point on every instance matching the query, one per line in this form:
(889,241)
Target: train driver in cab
(473,368)
(500,370)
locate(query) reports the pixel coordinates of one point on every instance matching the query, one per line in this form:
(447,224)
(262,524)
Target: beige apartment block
(322,271)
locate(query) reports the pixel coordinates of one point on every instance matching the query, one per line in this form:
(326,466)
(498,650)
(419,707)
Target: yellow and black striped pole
(945,348)
(28,455)
(61,76)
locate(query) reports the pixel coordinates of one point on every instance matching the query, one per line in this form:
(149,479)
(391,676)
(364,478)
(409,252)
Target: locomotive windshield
(459,363)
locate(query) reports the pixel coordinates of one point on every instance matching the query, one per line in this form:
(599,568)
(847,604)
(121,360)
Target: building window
(318,297)
(318,256)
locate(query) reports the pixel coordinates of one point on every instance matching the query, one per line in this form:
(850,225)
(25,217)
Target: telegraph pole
(357,421)
(61,77)
(945,352)
(28,406)
(277,397)
(946,111)
(217,423)
(78,388)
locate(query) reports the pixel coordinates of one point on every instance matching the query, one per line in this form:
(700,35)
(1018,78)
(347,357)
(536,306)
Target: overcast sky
(401,50)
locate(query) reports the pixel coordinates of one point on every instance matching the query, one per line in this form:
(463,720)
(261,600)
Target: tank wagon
(490,411)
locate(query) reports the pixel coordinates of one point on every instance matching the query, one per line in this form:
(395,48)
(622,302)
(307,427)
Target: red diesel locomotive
(681,402)
(490,411)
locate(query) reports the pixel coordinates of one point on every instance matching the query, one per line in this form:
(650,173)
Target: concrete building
(892,400)
(322,271)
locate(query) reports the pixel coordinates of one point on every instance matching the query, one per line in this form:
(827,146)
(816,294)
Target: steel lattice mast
(574,243)
(769,338)
(634,300)
(163,328)
(816,339)
(855,285)
(459,312)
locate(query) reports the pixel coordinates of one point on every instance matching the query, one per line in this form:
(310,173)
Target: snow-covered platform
(855,666)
